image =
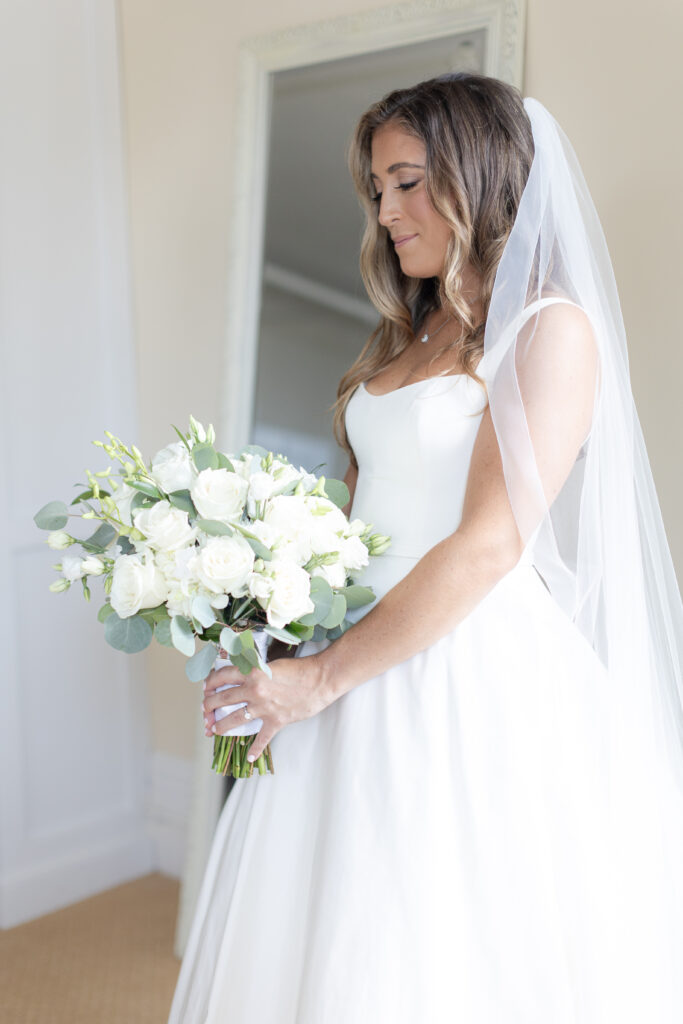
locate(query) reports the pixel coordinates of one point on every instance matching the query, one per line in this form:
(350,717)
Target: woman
(477,811)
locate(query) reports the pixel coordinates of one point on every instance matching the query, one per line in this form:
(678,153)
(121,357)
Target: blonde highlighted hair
(479,150)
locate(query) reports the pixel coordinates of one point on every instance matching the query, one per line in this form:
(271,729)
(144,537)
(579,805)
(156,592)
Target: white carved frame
(259,57)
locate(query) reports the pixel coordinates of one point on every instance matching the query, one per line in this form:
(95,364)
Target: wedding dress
(434,845)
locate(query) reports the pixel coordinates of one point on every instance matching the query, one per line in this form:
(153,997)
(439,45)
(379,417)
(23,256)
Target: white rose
(260,587)
(354,553)
(325,510)
(122,499)
(335,574)
(58,540)
(165,527)
(219,494)
(289,515)
(224,563)
(290,598)
(136,584)
(92,566)
(72,567)
(355,527)
(173,469)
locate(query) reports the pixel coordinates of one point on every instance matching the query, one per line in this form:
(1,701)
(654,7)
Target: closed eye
(405,186)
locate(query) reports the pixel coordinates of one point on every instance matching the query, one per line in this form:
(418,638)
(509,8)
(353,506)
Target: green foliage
(129,635)
(356,596)
(182,635)
(214,527)
(53,516)
(201,663)
(105,611)
(100,539)
(321,596)
(162,632)
(182,500)
(338,492)
(147,488)
(205,456)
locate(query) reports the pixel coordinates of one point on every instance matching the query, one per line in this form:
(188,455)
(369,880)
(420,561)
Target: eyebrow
(395,167)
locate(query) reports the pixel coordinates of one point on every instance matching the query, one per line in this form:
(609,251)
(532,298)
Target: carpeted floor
(107,960)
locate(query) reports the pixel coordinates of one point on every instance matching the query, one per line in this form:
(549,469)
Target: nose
(388,208)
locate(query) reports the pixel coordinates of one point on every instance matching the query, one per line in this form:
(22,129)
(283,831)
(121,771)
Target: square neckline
(423,380)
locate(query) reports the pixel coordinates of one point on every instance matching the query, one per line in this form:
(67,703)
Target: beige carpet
(107,960)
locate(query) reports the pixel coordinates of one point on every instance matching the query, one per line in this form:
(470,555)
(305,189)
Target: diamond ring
(247,714)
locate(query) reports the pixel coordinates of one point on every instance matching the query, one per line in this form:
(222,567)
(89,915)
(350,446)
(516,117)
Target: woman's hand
(295,692)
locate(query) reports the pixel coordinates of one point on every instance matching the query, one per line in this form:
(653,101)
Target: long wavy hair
(479,149)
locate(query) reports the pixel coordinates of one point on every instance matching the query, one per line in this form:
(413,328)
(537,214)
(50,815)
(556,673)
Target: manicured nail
(213,728)
(251,757)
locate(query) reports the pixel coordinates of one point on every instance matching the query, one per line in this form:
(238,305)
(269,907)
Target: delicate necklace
(426,337)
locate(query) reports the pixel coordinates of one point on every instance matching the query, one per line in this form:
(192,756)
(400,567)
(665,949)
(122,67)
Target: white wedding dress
(433,846)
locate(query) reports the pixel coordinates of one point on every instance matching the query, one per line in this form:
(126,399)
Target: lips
(402,239)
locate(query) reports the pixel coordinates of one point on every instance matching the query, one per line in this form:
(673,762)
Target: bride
(477,809)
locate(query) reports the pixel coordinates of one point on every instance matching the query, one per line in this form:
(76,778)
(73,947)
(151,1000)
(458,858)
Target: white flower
(355,527)
(136,584)
(290,597)
(289,515)
(335,574)
(354,553)
(324,509)
(173,469)
(224,563)
(59,585)
(260,587)
(219,494)
(92,566)
(123,498)
(72,567)
(58,540)
(165,527)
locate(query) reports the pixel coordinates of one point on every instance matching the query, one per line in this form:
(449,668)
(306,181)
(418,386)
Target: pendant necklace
(426,337)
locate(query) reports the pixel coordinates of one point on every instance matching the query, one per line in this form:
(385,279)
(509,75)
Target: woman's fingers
(263,738)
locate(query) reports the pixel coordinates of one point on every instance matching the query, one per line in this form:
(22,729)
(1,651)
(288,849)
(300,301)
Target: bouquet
(212,553)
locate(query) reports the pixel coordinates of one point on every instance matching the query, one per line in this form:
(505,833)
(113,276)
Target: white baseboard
(46,887)
(169,798)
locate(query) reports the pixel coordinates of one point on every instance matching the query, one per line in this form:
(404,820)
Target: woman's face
(404,209)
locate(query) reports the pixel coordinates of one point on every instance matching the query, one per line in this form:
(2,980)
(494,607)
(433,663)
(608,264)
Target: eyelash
(405,186)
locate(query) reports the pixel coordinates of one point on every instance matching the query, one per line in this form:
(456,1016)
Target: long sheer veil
(599,543)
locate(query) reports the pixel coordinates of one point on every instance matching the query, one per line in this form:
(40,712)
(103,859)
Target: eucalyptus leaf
(104,612)
(100,539)
(254,449)
(182,635)
(145,487)
(224,462)
(83,496)
(230,640)
(131,635)
(337,612)
(205,456)
(302,630)
(282,634)
(203,612)
(53,516)
(241,663)
(247,640)
(259,548)
(214,527)
(201,663)
(337,491)
(182,500)
(356,596)
(251,655)
(162,632)
(127,548)
(321,595)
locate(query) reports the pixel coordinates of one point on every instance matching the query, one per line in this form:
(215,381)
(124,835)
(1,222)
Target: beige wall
(614,83)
